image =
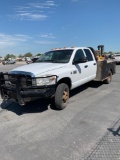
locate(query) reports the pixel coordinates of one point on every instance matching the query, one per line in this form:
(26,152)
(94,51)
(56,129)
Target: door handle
(94,63)
(74,72)
(86,66)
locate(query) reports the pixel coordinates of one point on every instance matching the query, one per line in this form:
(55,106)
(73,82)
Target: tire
(109,78)
(61,96)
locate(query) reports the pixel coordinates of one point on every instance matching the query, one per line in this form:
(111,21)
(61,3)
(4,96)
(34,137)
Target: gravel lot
(88,129)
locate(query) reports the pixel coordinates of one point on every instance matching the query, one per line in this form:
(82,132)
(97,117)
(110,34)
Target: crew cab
(54,74)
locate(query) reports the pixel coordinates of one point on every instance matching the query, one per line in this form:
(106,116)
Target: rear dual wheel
(109,78)
(61,96)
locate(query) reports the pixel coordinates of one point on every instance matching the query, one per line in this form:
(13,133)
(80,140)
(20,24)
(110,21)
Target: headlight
(45,80)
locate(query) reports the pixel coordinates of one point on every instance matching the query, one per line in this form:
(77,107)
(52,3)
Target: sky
(37,26)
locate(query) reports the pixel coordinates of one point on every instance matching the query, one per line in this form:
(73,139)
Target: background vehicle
(55,74)
(8,62)
(117,58)
(33,60)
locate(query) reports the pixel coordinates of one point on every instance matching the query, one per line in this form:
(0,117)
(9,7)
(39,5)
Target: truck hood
(36,69)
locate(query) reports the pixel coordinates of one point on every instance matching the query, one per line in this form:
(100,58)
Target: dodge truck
(54,74)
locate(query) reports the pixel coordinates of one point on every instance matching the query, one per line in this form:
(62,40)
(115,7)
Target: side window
(88,54)
(79,54)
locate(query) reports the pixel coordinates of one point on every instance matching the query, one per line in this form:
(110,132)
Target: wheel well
(65,80)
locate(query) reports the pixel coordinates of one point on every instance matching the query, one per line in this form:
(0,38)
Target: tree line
(28,54)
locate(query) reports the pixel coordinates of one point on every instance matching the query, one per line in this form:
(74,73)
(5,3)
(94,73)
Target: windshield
(58,56)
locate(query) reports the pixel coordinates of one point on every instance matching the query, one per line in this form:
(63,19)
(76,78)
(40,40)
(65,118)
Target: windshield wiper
(44,61)
(48,61)
(58,62)
(52,61)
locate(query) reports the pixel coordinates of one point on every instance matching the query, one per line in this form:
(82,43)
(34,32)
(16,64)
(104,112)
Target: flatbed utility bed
(103,67)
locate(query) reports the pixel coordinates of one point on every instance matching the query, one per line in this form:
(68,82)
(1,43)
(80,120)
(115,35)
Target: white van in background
(117,58)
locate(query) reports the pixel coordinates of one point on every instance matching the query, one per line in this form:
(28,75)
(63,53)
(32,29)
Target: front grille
(11,80)
(29,81)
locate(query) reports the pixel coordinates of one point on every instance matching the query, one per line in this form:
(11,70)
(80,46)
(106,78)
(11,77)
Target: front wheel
(109,78)
(61,96)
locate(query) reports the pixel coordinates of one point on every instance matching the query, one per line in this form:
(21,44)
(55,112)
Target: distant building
(2,58)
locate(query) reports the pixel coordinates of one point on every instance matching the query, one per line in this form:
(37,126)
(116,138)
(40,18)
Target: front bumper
(19,87)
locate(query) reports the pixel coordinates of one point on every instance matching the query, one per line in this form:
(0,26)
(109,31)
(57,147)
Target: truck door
(92,65)
(80,71)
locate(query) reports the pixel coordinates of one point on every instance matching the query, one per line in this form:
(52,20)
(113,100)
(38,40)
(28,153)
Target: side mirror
(81,60)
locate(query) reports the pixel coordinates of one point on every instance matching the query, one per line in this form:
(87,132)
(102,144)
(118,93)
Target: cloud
(17,40)
(12,40)
(46,42)
(21,43)
(46,4)
(81,1)
(50,35)
(29,16)
(34,11)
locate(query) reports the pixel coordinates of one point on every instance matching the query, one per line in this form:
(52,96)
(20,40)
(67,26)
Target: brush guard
(20,88)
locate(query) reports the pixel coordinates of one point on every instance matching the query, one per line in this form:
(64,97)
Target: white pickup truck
(54,74)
